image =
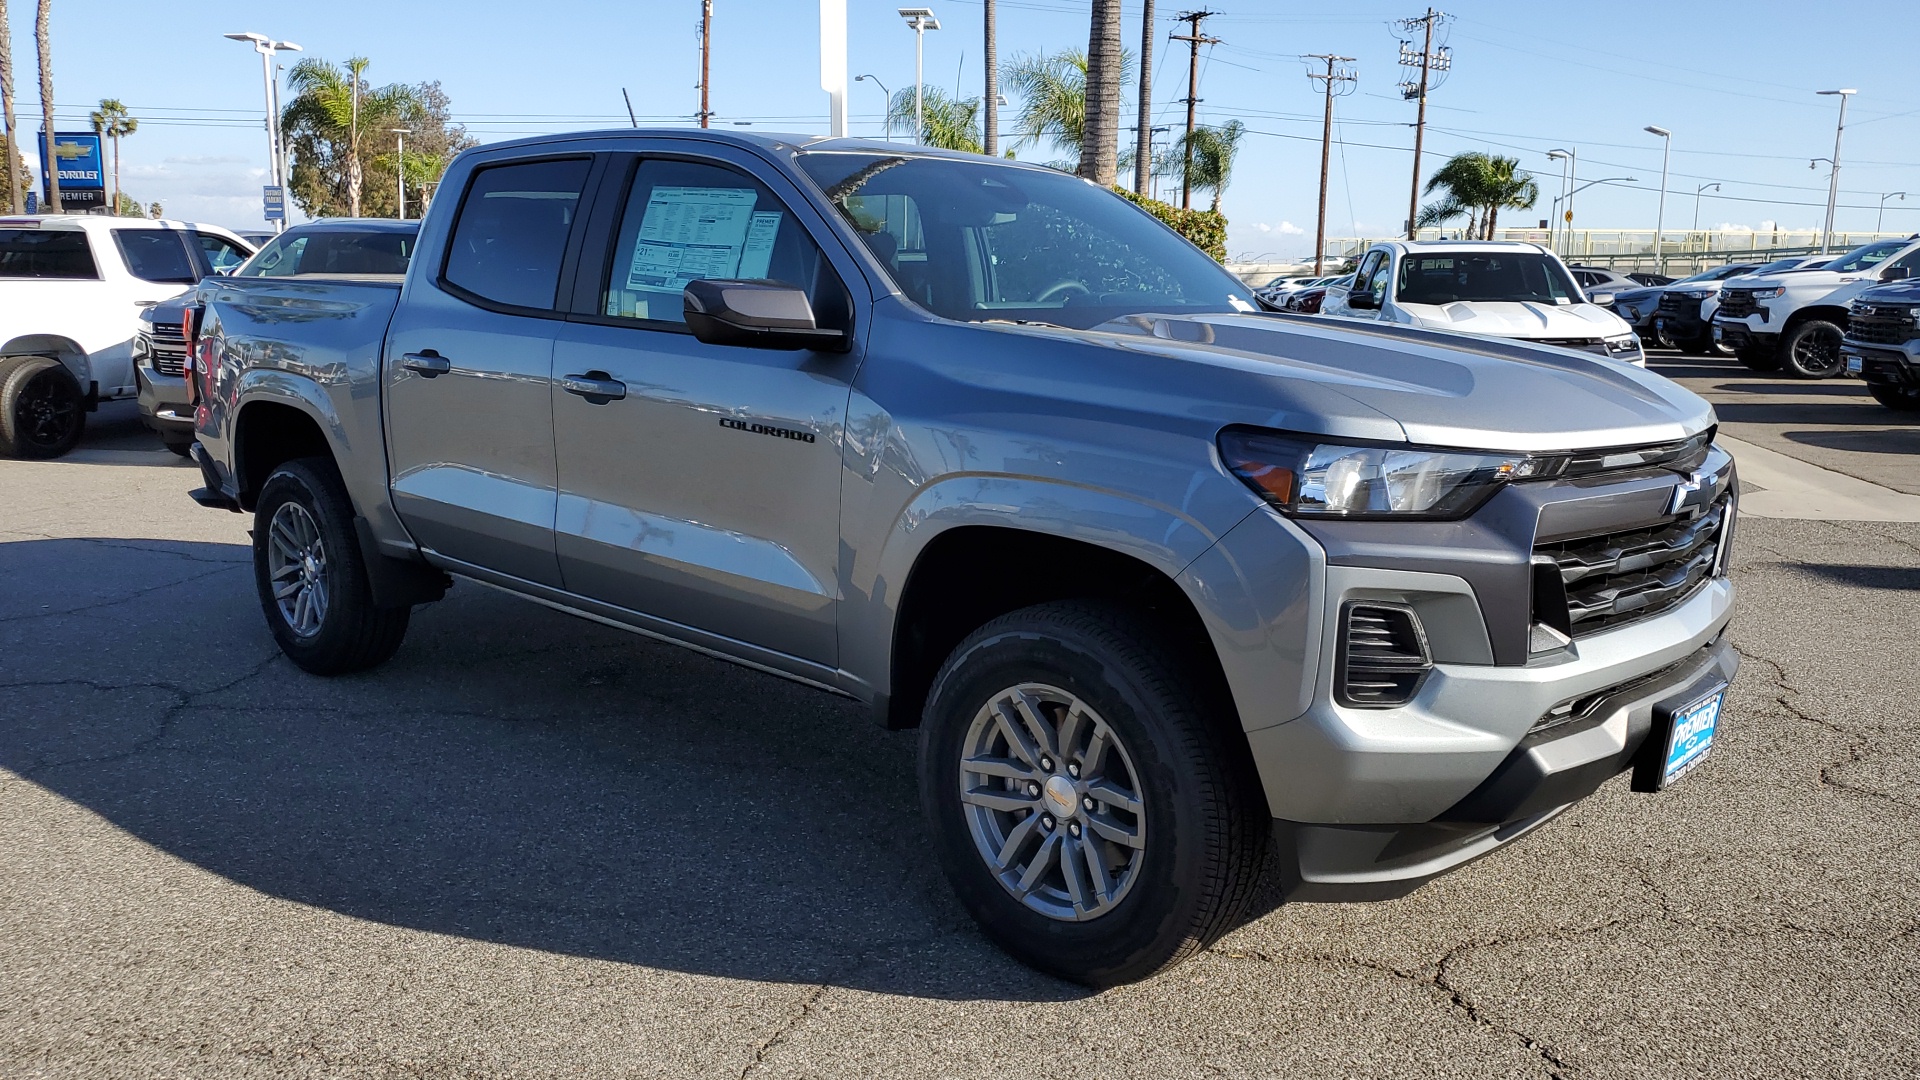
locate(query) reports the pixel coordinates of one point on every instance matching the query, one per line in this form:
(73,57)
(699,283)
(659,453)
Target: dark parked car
(1597,279)
(1307,301)
(1651,280)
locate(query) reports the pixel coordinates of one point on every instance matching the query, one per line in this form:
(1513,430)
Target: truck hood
(1439,389)
(1519,320)
(1800,280)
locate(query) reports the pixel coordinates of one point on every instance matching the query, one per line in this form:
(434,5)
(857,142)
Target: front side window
(983,242)
(685,221)
(1863,258)
(221,254)
(280,258)
(45,253)
(511,235)
(1491,277)
(156,255)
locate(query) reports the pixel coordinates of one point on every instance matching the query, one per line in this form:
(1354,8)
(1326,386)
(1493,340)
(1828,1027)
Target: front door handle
(596,386)
(428,363)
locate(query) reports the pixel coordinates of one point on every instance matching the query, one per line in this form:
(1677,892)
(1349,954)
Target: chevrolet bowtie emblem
(1694,494)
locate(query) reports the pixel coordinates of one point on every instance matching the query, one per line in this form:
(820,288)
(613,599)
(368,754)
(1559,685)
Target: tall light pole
(922,20)
(875,80)
(276,169)
(400,167)
(1569,167)
(1660,220)
(1833,184)
(1882,219)
(1696,203)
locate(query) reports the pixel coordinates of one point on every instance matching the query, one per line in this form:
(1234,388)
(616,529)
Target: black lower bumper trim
(213,495)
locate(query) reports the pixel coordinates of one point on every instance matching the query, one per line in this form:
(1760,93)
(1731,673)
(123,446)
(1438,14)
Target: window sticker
(757,257)
(690,233)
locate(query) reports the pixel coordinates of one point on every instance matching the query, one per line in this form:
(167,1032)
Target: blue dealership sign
(83,174)
(273,201)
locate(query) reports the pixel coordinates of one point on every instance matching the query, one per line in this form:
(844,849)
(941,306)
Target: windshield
(1861,258)
(980,242)
(1485,277)
(294,253)
(1719,273)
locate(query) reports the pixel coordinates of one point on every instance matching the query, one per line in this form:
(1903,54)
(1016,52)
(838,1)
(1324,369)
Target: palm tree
(951,123)
(1053,100)
(1143,114)
(333,108)
(1100,147)
(16,199)
(1206,158)
(43,43)
(990,142)
(1479,186)
(111,121)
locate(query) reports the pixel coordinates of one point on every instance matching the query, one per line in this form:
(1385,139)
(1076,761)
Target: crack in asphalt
(1859,745)
(127,598)
(773,1041)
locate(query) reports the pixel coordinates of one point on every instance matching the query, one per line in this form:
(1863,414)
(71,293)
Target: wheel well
(267,436)
(970,575)
(1834,315)
(65,350)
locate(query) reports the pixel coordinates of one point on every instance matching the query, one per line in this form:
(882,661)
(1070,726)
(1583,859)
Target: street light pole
(922,20)
(276,166)
(1563,205)
(1660,220)
(1833,184)
(1696,203)
(400,168)
(1882,219)
(875,80)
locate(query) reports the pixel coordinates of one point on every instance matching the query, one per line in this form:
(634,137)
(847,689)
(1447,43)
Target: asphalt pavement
(532,846)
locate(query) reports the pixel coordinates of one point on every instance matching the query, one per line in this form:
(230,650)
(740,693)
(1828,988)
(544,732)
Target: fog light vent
(1383,655)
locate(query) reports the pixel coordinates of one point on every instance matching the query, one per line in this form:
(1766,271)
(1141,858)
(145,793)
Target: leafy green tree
(111,121)
(1478,186)
(22,179)
(1052,89)
(951,123)
(1205,158)
(333,116)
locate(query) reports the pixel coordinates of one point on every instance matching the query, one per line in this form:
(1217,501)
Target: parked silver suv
(1160,577)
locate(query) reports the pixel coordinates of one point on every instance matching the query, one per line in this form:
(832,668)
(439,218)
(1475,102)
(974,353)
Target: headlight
(1626,343)
(1690,295)
(1769,294)
(1308,478)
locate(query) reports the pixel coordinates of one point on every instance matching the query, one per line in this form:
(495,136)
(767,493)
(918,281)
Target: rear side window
(511,236)
(156,255)
(222,255)
(45,253)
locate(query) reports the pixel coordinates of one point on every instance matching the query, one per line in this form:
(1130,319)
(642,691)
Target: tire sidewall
(1162,899)
(15,377)
(1789,348)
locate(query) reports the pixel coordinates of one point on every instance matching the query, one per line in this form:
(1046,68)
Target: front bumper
(1750,332)
(164,405)
(1881,364)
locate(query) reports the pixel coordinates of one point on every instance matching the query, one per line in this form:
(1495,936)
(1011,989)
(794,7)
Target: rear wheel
(311,578)
(1086,800)
(1811,350)
(1758,357)
(42,408)
(1899,398)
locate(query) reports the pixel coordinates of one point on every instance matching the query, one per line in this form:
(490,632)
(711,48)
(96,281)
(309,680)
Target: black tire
(1811,350)
(1897,398)
(1758,357)
(351,634)
(179,444)
(43,411)
(1204,818)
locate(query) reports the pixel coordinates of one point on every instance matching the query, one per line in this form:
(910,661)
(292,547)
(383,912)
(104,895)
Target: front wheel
(1086,796)
(311,577)
(42,408)
(1811,350)
(1898,398)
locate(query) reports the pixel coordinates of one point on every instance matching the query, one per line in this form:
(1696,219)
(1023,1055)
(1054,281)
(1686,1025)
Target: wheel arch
(268,433)
(64,349)
(1832,313)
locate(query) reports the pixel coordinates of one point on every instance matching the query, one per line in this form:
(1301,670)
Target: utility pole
(706,55)
(1333,82)
(1143,121)
(1194,39)
(1429,62)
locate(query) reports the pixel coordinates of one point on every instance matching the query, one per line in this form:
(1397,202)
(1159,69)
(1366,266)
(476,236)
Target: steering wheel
(1061,287)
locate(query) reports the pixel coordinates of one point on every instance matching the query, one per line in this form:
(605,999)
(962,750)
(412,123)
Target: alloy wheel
(297,566)
(46,410)
(1817,353)
(1054,802)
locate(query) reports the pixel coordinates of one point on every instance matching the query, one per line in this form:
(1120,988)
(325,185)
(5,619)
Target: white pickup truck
(1797,318)
(71,291)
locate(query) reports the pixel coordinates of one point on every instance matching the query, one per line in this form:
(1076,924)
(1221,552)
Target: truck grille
(1738,303)
(165,348)
(1882,324)
(1679,307)
(1595,583)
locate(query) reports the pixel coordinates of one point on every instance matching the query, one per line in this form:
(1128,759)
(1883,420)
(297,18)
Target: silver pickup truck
(1169,584)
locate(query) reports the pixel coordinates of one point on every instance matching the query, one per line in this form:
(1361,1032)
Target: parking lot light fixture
(1882,219)
(922,20)
(1569,172)
(1833,181)
(883,89)
(267,47)
(1660,219)
(1696,203)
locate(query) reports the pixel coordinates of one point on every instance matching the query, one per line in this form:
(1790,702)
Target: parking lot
(535,846)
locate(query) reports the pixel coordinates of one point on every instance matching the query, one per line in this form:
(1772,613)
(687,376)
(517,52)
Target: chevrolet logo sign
(1861,309)
(70,150)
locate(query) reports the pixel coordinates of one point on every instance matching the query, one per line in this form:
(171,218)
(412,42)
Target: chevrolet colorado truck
(71,291)
(1168,584)
(1797,318)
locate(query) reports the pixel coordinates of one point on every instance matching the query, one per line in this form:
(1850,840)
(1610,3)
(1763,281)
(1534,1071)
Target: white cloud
(1285,228)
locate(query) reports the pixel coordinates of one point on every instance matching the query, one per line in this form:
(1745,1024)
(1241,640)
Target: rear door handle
(596,386)
(428,363)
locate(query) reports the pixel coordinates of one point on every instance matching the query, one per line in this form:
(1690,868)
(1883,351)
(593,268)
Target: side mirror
(1359,299)
(1895,273)
(1600,299)
(756,315)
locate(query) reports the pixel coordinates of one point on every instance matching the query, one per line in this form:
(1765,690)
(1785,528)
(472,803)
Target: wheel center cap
(1060,795)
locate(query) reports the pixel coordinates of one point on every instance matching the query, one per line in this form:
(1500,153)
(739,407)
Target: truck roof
(95,222)
(1461,245)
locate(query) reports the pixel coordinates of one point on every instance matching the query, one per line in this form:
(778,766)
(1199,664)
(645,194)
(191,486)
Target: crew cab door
(700,484)
(468,372)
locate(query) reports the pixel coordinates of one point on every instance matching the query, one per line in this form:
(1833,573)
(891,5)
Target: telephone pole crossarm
(1430,62)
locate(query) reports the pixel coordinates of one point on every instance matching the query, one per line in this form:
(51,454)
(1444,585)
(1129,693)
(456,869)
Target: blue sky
(1733,79)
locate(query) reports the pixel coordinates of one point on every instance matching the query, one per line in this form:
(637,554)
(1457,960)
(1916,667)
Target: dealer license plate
(1691,736)
(1853,364)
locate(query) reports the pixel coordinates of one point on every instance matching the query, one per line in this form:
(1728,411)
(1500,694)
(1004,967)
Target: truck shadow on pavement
(513,776)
